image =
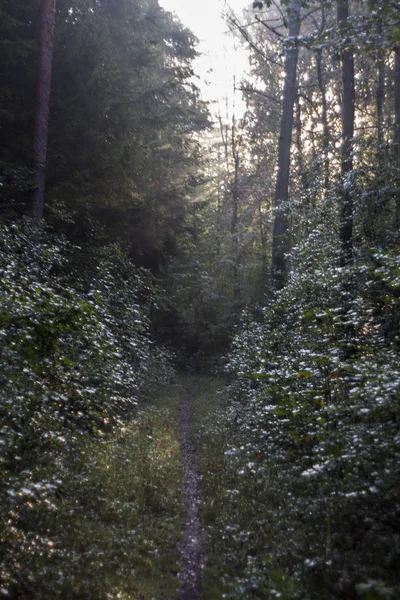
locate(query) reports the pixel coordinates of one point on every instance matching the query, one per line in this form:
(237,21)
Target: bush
(75,354)
(317,399)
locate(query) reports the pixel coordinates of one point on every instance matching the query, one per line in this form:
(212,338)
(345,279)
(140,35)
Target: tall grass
(112,528)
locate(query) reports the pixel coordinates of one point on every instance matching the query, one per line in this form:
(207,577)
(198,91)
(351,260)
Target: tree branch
(260,93)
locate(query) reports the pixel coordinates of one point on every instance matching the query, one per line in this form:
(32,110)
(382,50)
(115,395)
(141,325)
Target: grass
(113,528)
(211,439)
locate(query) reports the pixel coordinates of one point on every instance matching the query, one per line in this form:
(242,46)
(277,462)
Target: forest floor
(192,558)
(129,521)
(139,511)
(177,504)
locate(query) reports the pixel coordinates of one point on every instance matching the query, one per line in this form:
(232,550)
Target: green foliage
(219,267)
(15,183)
(75,354)
(300,463)
(316,403)
(18,46)
(121,141)
(123,118)
(109,523)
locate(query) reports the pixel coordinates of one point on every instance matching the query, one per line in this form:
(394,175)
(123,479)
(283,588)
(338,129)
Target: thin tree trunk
(231,151)
(396,140)
(43,104)
(235,148)
(263,241)
(324,103)
(348,108)
(325,126)
(234,226)
(262,229)
(396,136)
(280,244)
(219,207)
(300,149)
(380,95)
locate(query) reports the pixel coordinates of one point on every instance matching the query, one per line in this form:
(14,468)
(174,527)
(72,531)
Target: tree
(231,140)
(396,138)
(47,24)
(267,36)
(122,143)
(280,231)
(348,111)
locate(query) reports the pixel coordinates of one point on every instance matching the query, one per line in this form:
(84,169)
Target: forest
(199,310)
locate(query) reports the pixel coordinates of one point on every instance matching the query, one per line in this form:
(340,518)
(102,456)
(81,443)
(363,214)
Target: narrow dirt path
(191,550)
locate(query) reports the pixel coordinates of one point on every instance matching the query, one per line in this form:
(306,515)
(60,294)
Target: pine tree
(47,24)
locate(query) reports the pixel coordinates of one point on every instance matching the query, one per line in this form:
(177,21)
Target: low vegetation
(300,456)
(281,520)
(108,524)
(76,353)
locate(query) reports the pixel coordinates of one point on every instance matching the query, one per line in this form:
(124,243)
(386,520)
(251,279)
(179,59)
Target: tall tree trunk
(324,102)
(325,126)
(396,135)
(396,139)
(300,150)
(348,108)
(235,147)
(43,104)
(280,243)
(380,94)
(234,226)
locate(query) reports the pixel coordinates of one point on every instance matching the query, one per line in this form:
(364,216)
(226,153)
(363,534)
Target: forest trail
(192,558)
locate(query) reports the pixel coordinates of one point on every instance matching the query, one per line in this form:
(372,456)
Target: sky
(223,59)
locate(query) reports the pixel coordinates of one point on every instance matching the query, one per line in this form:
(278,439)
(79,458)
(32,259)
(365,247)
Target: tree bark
(396,133)
(380,95)
(325,131)
(280,245)
(234,229)
(43,104)
(324,103)
(235,210)
(396,140)
(348,108)
(300,149)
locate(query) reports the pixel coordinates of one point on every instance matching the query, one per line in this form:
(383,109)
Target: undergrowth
(274,531)
(112,527)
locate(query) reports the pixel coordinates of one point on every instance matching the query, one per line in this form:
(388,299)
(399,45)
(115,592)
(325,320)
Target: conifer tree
(47,24)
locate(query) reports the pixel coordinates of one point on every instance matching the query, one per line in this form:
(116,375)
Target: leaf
(375,590)
(308,314)
(395,34)
(304,374)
